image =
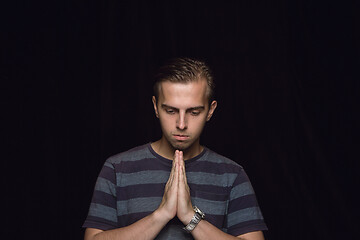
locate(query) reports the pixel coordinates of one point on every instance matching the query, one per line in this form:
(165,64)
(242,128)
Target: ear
(155,106)
(213,106)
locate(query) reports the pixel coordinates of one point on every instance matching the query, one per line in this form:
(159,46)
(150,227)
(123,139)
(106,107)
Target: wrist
(161,216)
(197,216)
(187,218)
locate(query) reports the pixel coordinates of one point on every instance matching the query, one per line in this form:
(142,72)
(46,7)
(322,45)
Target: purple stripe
(145,164)
(99,223)
(241,178)
(108,173)
(248,226)
(208,192)
(209,195)
(242,203)
(210,189)
(139,191)
(216,220)
(104,199)
(216,168)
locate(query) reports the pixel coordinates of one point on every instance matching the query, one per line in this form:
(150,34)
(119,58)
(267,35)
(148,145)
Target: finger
(182,166)
(171,176)
(177,160)
(181,171)
(181,158)
(181,161)
(177,167)
(173,167)
(176,157)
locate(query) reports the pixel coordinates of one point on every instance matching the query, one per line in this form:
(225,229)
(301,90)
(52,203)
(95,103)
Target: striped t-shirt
(131,185)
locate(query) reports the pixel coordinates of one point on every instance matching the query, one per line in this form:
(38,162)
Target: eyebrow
(189,109)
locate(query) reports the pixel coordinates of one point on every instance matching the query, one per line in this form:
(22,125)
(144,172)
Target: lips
(180,137)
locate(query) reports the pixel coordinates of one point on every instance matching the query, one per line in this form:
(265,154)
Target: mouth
(181,137)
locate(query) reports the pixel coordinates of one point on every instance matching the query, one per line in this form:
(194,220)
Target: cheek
(198,124)
(166,122)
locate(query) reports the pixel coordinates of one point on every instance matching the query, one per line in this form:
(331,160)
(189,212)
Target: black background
(76,89)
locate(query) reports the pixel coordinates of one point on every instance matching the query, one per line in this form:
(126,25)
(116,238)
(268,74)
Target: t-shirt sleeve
(244,214)
(102,213)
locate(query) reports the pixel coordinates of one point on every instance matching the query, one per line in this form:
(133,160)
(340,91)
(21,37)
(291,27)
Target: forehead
(183,94)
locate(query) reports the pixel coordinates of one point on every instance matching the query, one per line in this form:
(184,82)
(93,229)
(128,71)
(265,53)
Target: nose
(181,121)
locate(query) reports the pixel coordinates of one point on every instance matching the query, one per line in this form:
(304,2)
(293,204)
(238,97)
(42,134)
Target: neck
(166,150)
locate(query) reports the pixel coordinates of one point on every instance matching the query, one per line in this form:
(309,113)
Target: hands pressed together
(176,200)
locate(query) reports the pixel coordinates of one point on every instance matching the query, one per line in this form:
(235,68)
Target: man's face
(183,110)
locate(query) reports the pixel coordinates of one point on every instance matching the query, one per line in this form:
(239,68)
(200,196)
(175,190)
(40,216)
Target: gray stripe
(209,206)
(134,154)
(213,157)
(244,215)
(101,211)
(153,177)
(138,154)
(138,205)
(134,158)
(107,164)
(104,185)
(144,177)
(223,180)
(241,190)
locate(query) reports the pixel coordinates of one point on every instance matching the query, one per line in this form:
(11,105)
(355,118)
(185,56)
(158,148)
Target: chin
(181,147)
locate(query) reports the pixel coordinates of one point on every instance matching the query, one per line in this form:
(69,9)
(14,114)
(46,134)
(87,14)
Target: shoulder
(215,158)
(133,154)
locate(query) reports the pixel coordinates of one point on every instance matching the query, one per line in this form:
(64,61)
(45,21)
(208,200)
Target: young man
(175,188)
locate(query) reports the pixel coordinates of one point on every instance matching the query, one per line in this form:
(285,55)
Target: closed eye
(195,113)
(196,110)
(170,111)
